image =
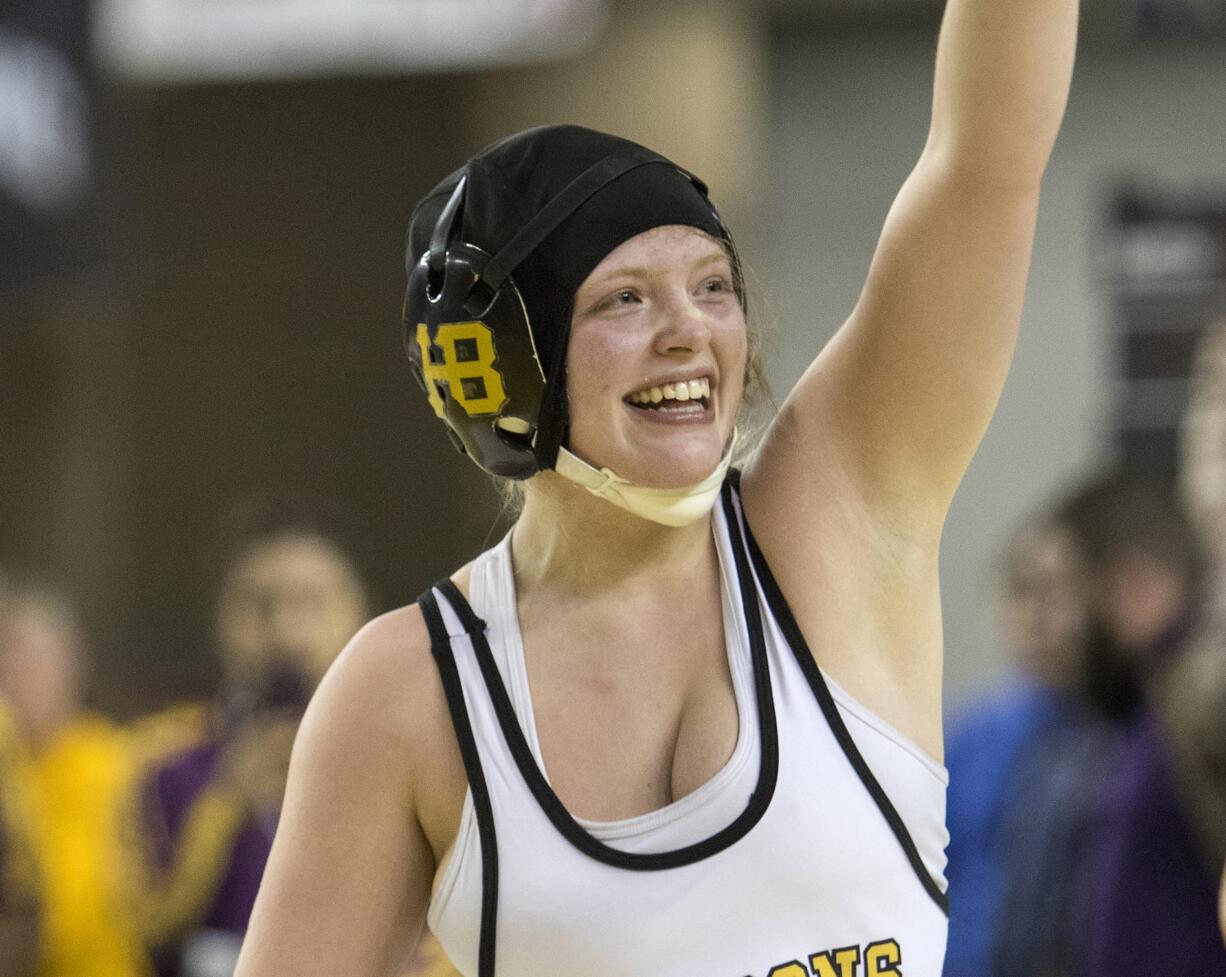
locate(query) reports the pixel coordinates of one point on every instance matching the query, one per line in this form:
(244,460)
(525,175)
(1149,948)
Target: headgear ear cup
(473,353)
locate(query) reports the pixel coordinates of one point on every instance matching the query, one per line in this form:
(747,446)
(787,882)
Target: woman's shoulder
(382,707)
(391,661)
(386,675)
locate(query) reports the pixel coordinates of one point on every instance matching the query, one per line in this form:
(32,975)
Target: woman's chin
(664,459)
(669,470)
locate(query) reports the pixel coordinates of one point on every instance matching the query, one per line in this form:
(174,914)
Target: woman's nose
(684,330)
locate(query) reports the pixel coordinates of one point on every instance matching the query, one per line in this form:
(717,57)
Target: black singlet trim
(444,657)
(821,691)
(556,811)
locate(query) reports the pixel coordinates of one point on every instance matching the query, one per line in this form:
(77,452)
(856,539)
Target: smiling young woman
(682,719)
(659,313)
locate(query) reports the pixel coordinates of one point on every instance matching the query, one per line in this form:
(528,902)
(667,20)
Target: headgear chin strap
(666,506)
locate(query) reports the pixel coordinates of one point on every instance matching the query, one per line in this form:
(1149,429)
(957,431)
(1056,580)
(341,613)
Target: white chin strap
(666,506)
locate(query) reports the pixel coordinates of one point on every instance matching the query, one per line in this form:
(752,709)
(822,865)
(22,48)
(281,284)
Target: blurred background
(202,209)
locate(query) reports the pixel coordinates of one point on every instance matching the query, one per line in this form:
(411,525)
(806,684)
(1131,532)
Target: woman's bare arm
(850,489)
(348,882)
(905,390)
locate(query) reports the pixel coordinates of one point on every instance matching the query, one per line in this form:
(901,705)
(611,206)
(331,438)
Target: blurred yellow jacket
(74,788)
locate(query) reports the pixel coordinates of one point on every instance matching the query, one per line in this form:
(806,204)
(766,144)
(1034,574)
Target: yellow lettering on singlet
(836,963)
(882,958)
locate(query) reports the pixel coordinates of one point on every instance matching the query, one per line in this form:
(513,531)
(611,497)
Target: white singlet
(818,850)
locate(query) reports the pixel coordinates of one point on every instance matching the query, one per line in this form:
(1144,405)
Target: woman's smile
(681,401)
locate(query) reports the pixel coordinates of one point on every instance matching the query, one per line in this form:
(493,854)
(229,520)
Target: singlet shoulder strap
(784,617)
(444,658)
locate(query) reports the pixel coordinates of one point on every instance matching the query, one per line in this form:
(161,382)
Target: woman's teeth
(683,391)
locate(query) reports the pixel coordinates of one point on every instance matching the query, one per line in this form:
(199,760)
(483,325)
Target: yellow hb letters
(467,368)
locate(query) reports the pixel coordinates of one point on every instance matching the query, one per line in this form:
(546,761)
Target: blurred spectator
(288,597)
(994,750)
(19,908)
(72,768)
(1143,576)
(1102,596)
(1148,901)
(1146,571)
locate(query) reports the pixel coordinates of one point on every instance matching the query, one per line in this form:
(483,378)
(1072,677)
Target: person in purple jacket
(288,598)
(1155,860)
(1151,892)
(1147,899)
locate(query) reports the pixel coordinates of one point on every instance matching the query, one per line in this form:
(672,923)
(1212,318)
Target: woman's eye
(627,296)
(716,285)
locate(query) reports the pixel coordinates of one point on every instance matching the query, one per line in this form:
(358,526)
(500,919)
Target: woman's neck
(569,540)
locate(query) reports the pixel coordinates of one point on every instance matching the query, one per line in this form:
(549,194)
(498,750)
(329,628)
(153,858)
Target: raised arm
(348,881)
(902,395)
(849,490)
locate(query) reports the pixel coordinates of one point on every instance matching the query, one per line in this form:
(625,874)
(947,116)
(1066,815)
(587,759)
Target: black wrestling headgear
(495,254)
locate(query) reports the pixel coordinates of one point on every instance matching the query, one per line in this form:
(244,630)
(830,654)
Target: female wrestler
(668,728)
